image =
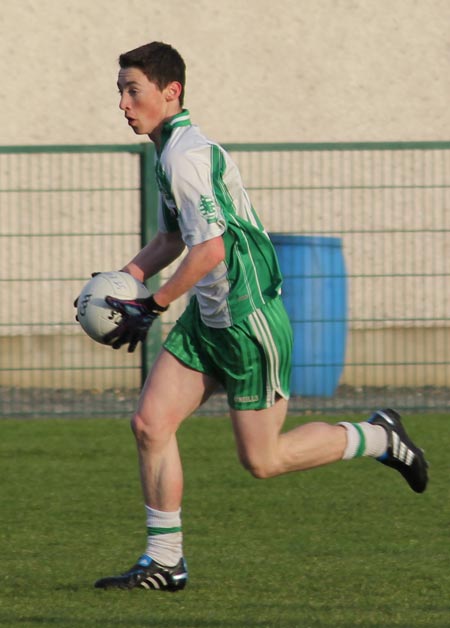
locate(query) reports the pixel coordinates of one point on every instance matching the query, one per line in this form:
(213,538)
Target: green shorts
(251,359)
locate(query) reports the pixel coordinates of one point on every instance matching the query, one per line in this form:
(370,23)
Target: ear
(173,91)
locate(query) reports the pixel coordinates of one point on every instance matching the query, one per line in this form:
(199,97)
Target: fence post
(149,222)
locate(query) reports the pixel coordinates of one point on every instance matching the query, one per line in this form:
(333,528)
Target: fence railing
(69,210)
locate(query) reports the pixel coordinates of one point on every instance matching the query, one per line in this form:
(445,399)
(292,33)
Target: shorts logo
(248,399)
(208,209)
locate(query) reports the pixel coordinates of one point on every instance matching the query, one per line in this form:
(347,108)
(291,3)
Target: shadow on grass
(130,621)
(109,609)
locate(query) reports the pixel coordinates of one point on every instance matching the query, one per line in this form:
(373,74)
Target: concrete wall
(389,357)
(292,70)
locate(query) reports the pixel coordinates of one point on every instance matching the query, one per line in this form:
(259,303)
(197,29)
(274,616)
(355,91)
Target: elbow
(179,249)
(218,254)
(209,254)
(220,257)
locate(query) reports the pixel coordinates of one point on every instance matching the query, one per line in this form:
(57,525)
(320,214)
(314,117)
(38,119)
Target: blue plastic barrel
(315,296)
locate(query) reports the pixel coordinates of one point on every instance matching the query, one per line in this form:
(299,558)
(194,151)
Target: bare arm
(201,259)
(138,315)
(156,255)
(164,249)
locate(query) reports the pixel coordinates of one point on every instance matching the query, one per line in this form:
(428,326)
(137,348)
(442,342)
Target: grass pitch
(346,545)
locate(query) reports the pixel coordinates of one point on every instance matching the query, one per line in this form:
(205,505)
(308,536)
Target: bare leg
(171,393)
(267,452)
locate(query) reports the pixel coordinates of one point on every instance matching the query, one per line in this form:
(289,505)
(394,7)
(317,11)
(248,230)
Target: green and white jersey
(203,197)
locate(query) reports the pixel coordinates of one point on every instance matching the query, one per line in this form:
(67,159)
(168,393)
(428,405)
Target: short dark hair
(160,63)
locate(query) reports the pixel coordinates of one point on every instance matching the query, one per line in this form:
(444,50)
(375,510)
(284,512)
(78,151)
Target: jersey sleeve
(167,216)
(192,182)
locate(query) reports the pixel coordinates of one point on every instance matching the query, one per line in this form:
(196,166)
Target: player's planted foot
(148,574)
(402,454)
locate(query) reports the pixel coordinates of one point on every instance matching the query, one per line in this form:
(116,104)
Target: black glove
(137,318)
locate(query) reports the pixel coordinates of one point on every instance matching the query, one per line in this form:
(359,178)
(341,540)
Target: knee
(258,467)
(147,433)
(139,429)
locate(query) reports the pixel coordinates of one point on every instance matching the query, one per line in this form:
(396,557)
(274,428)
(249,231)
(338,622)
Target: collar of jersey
(180,119)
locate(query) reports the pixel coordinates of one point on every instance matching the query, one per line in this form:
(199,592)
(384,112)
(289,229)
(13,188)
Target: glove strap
(153,306)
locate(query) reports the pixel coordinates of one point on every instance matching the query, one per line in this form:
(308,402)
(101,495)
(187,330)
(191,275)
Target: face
(145,106)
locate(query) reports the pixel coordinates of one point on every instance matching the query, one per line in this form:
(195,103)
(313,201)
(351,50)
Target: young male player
(234,332)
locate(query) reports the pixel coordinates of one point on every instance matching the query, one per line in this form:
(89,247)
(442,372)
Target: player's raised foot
(402,454)
(148,574)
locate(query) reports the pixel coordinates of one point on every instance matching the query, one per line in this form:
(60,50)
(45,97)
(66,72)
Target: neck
(156,134)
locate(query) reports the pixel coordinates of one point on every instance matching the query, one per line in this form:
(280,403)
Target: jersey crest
(208,209)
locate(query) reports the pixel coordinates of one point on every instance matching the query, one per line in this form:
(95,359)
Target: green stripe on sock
(156,531)
(362,441)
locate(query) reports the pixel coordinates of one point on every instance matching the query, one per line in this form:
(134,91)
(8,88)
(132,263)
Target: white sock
(364,439)
(164,536)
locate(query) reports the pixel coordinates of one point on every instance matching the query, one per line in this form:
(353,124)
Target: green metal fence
(69,210)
